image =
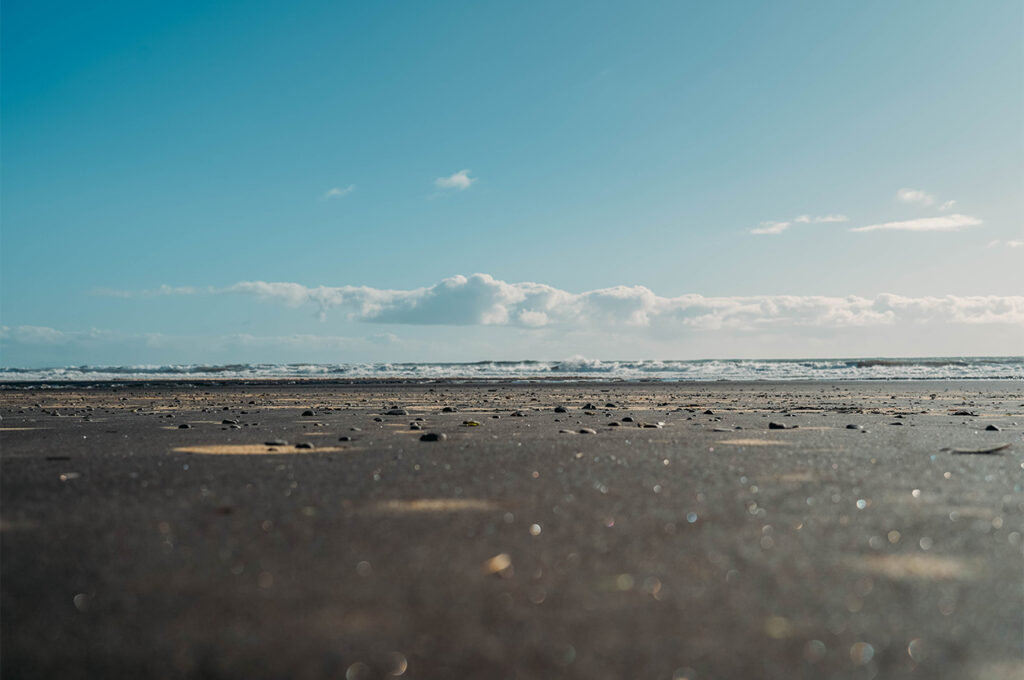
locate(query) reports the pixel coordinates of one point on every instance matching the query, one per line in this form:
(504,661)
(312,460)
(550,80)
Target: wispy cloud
(771,228)
(916,197)
(947,205)
(1014,243)
(460,181)
(338,192)
(945,223)
(482,300)
(781,226)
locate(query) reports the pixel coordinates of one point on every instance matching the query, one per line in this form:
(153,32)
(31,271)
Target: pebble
(303,445)
(397,412)
(992,428)
(709,412)
(415,426)
(275,442)
(628,419)
(433,437)
(308,413)
(344,439)
(852,426)
(776,426)
(589,407)
(448,409)
(614,424)
(561,409)
(229,422)
(184,426)
(518,414)
(587,430)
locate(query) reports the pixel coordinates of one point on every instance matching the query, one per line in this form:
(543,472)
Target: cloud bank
(779,227)
(482,300)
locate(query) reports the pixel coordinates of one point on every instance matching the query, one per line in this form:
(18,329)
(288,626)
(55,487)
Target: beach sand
(854,543)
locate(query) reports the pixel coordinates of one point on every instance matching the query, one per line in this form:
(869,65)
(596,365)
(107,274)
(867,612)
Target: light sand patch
(800,477)
(7,525)
(916,567)
(437,505)
(250,449)
(753,442)
(20,429)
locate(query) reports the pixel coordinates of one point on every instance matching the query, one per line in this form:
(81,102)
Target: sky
(230,182)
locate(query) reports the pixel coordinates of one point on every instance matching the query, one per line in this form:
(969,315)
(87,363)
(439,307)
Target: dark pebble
(433,437)
(308,414)
(587,430)
(709,412)
(397,412)
(851,426)
(303,445)
(229,422)
(344,439)
(628,419)
(992,428)
(276,442)
(614,424)
(415,426)
(561,409)
(776,426)
(589,407)
(446,409)
(184,426)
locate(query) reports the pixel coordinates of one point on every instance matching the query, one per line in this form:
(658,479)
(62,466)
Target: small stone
(229,422)
(275,442)
(614,424)
(589,407)
(992,428)
(566,432)
(433,437)
(309,413)
(449,409)
(776,426)
(470,423)
(415,426)
(184,426)
(852,426)
(709,412)
(610,405)
(587,430)
(561,409)
(652,426)
(303,445)
(397,412)
(628,419)
(344,439)
(518,414)
(378,419)
(896,423)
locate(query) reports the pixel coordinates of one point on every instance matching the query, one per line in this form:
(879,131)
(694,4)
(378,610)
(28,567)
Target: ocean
(577,368)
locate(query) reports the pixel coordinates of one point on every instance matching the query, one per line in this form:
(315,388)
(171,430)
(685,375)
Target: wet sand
(712,546)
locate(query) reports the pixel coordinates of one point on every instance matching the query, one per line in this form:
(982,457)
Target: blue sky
(624,157)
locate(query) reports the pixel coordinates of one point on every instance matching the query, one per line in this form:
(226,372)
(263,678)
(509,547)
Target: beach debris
(433,437)
(992,428)
(566,432)
(991,449)
(470,423)
(561,409)
(344,438)
(68,476)
(500,565)
(587,430)
(397,412)
(304,445)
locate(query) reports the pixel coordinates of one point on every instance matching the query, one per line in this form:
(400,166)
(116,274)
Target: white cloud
(771,228)
(481,300)
(821,219)
(1018,243)
(946,223)
(947,205)
(460,181)
(337,192)
(915,197)
(779,227)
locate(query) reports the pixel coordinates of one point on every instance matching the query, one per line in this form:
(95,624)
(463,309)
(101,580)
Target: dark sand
(132,548)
